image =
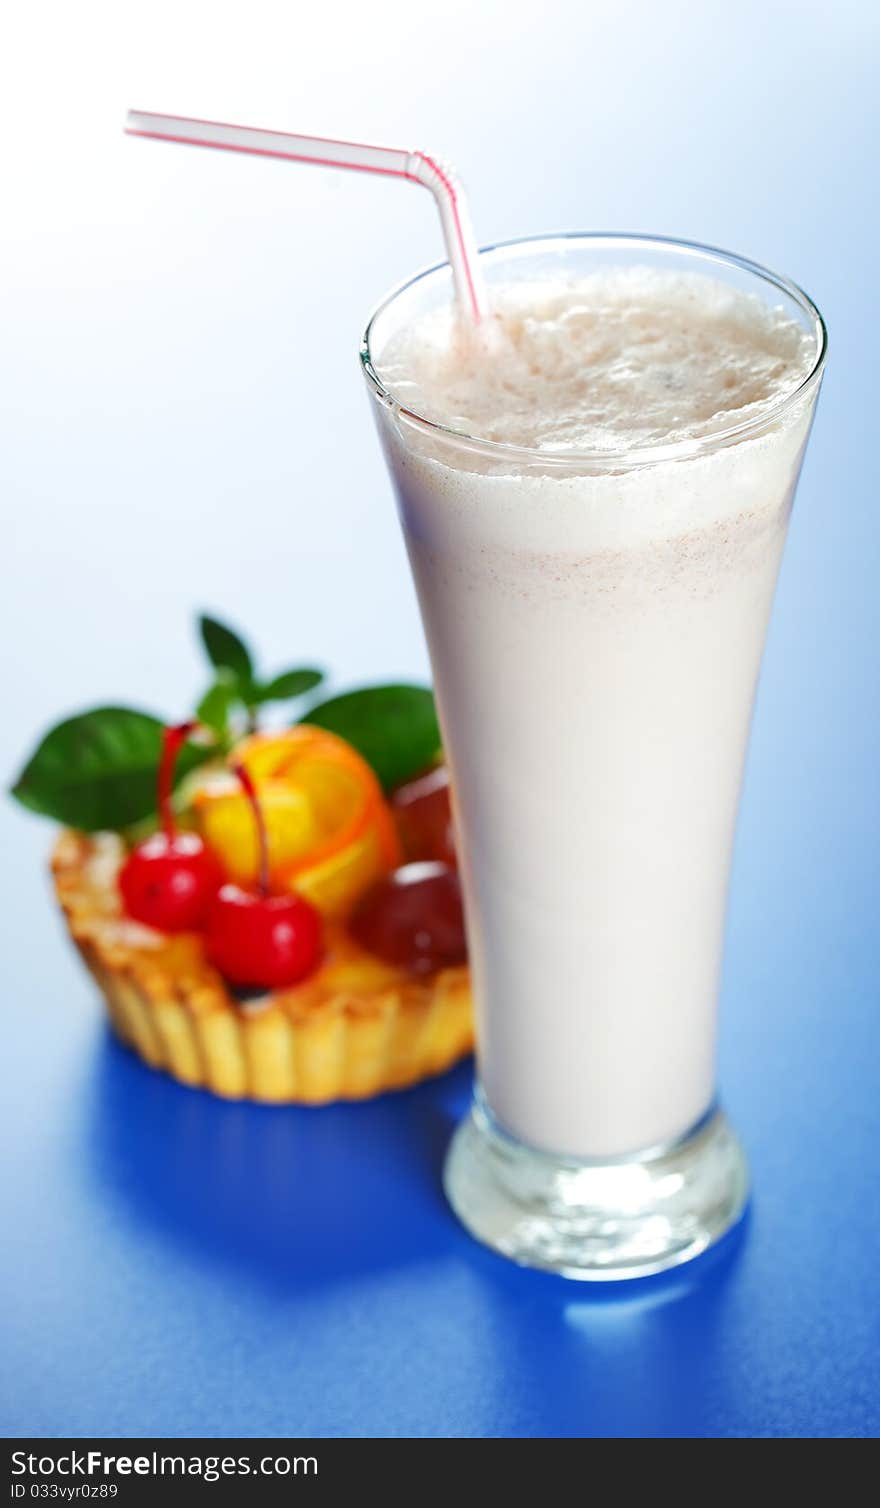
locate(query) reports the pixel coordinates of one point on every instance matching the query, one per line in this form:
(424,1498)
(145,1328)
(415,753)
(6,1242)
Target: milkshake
(594,491)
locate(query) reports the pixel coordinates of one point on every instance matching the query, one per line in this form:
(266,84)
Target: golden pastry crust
(355,1028)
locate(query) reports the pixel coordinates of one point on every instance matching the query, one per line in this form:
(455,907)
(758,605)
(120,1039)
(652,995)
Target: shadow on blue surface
(331,1244)
(295,1195)
(301,1197)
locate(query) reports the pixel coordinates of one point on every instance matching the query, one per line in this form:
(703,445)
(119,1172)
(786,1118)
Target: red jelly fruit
(414,918)
(423,814)
(170,880)
(258,940)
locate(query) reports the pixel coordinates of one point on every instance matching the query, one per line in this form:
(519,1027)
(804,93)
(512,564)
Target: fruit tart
(273,915)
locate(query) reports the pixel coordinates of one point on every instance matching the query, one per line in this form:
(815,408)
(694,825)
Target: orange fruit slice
(331,833)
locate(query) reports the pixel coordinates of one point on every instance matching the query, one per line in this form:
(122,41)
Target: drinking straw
(394,162)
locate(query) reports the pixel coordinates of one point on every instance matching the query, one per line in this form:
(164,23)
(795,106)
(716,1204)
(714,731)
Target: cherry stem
(173,739)
(250,791)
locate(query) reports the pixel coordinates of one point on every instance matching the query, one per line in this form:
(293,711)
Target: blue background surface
(183,426)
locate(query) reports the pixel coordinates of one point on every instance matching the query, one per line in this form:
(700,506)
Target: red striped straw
(394,162)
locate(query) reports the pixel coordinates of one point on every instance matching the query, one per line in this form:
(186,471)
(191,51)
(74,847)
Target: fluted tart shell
(355,1028)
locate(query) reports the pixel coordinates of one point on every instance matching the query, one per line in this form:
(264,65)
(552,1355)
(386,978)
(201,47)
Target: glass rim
(628,455)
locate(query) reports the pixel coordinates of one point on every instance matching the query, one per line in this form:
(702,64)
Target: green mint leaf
(98,770)
(282,688)
(216,704)
(394,728)
(226,650)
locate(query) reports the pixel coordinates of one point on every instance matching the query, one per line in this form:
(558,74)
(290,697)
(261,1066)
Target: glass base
(624,1218)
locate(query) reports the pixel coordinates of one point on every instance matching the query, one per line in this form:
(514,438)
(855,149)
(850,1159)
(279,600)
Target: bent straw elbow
(444,185)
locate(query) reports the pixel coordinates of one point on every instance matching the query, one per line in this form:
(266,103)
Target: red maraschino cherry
(258,940)
(169,881)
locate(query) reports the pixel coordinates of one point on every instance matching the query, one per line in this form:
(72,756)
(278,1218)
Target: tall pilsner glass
(595,621)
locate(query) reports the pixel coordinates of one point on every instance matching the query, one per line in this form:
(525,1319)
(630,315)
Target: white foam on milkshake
(620,359)
(595,636)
